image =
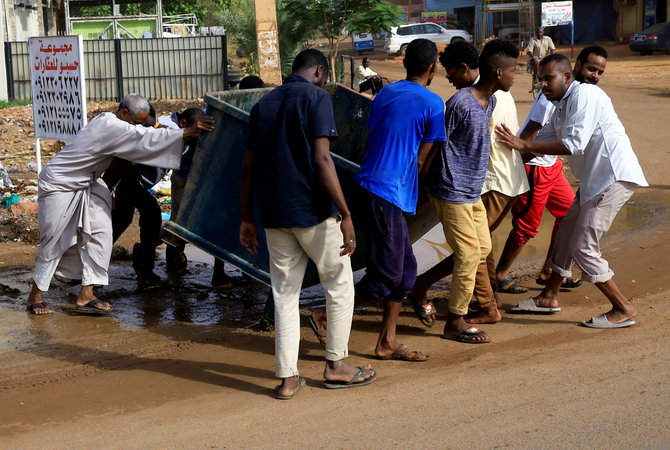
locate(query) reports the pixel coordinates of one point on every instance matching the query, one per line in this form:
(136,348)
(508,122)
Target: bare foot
(498,301)
(86,296)
(487,315)
(36,304)
(546,302)
(618,316)
(289,387)
(345,372)
(403,353)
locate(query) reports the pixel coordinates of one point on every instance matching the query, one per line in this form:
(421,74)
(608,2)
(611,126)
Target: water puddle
(190,299)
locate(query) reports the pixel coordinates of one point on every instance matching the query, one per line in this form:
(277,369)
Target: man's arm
(528,134)
(506,137)
(325,171)
(206,123)
(248,231)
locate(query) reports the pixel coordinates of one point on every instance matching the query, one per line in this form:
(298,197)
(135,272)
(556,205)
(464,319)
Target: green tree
(333,18)
(240,23)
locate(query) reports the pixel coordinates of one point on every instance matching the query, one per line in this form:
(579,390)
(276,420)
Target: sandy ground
(183,367)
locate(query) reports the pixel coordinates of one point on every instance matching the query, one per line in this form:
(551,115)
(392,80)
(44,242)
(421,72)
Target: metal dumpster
(209,215)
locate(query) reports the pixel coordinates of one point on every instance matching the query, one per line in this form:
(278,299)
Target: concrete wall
(631,18)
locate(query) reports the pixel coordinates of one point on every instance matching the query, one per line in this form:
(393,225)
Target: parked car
(656,37)
(400,37)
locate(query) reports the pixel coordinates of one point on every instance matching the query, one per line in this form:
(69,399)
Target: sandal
(423,312)
(509,286)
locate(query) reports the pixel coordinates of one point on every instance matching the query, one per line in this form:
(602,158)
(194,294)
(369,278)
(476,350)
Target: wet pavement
(191,300)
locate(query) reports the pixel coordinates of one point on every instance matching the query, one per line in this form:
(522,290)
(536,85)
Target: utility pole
(268,42)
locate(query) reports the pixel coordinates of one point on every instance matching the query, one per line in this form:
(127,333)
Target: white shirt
(541,112)
(600,151)
(505,172)
(360,75)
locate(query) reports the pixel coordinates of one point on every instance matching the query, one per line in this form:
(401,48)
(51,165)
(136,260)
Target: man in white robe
(75,205)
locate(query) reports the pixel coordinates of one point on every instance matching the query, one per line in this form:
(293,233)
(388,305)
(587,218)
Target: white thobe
(75,205)
(600,151)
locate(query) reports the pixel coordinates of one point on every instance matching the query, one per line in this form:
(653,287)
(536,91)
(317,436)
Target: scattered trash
(5,181)
(32,166)
(163,187)
(9,200)
(165,216)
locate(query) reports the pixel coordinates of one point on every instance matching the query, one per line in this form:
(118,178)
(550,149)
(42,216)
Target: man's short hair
(460,52)
(309,58)
(419,56)
(561,60)
(251,82)
(591,49)
(493,53)
(190,115)
(135,104)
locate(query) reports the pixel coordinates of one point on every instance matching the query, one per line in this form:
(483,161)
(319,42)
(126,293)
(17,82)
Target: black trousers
(131,195)
(374,84)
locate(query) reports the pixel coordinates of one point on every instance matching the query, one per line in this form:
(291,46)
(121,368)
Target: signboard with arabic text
(57,81)
(556,13)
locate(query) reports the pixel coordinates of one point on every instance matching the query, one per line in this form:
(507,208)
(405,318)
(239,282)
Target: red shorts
(548,189)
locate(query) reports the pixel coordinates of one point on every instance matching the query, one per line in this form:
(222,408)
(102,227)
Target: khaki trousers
(497,206)
(467,233)
(578,237)
(290,249)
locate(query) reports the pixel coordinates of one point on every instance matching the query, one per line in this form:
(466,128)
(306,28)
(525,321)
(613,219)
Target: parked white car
(400,36)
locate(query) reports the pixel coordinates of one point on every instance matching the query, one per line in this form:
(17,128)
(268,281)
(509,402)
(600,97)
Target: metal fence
(177,68)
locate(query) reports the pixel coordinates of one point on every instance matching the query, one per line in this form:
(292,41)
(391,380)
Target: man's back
(283,126)
(457,173)
(403,115)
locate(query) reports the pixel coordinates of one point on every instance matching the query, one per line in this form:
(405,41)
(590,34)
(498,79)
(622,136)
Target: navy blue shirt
(282,128)
(457,172)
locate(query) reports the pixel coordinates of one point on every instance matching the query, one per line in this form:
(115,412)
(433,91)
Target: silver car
(400,36)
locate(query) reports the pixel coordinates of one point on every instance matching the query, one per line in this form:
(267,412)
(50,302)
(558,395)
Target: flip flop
(570,283)
(402,353)
(601,322)
(320,335)
(509,286)
(301,384)
(91,308)
(528,306)
(469,336)
(424,311)
(351,383)
(31,309)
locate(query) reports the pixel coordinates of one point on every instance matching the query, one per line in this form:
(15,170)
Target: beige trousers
(578,237)
(290,249)
(466,231)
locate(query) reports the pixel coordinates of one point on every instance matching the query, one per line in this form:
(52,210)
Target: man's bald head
(555,74)
(560,61)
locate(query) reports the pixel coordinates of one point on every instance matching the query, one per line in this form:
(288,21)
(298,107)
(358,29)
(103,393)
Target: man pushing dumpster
(305,216)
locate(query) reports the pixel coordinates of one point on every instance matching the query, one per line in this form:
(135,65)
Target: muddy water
(190,299)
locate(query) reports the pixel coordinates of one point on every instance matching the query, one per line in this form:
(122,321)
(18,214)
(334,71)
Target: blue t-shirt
(282,127)
(403,115)
(457,172)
